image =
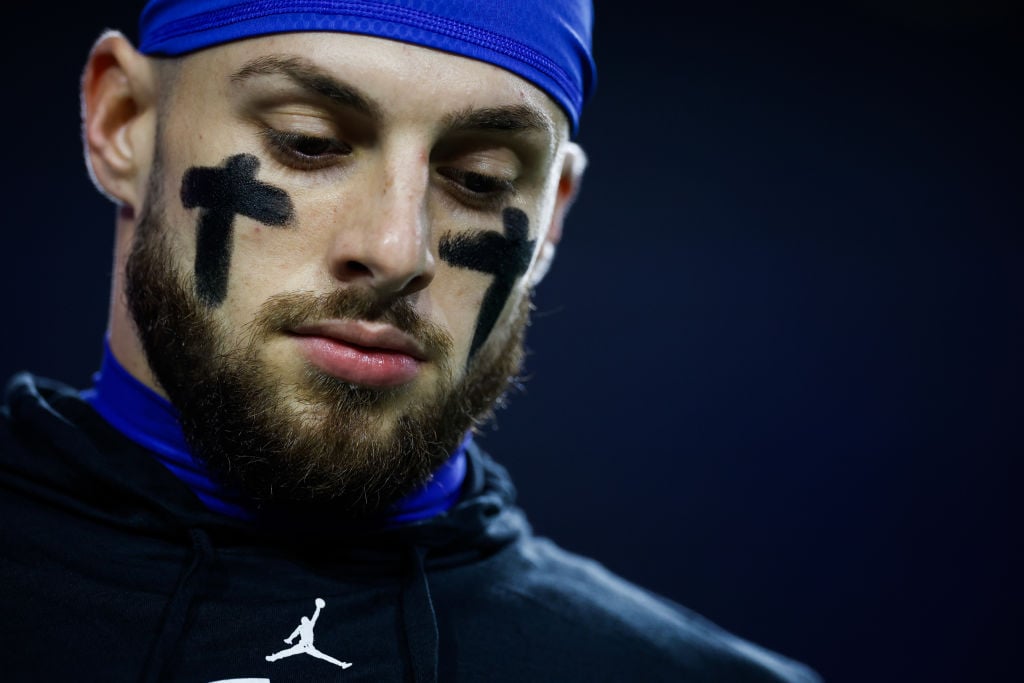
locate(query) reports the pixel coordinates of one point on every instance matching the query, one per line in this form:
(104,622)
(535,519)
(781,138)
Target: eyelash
(288,146)
(477,189)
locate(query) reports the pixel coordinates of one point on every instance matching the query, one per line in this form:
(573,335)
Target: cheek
(222,196)
(269,261)
(264,257)
(505,257)
(455,298)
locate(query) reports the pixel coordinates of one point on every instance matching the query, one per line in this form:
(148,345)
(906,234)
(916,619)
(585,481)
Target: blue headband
(547,42)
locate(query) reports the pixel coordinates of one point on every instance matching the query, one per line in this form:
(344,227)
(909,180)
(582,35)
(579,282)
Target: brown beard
(238,420)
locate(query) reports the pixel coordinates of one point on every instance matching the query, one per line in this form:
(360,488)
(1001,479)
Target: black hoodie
(112,570)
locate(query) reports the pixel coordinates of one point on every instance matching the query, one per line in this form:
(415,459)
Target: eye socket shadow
(506,257)
(222,192)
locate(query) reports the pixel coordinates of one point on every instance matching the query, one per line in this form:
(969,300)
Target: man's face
(330,273)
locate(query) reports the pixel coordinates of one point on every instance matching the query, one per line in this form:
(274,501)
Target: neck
(151,421)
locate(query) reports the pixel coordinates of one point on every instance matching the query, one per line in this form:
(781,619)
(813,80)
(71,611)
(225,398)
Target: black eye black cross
(222,192)
(506,257)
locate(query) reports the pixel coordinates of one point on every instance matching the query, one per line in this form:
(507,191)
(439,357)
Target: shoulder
(599,617)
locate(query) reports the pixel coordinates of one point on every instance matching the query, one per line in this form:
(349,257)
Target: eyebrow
(310,77)
(512,118)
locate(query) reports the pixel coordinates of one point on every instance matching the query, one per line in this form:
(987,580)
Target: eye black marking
(506,257)
(221,192)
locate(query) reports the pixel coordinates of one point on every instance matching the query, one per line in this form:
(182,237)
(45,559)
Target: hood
(95,471)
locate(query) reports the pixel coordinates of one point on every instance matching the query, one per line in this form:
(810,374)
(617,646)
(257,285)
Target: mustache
(284,312)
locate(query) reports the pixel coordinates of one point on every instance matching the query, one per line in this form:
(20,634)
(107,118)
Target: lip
(365,353)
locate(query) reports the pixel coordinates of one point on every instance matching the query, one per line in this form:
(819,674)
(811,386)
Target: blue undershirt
(150,420)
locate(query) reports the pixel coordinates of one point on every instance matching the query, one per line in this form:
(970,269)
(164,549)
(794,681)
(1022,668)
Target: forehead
(401,83)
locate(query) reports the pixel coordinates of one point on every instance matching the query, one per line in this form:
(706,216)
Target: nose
(383,236)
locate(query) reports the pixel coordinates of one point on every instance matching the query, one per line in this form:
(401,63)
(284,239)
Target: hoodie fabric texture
(112,570)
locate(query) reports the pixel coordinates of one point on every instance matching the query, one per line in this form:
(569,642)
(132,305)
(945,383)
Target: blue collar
(151,421)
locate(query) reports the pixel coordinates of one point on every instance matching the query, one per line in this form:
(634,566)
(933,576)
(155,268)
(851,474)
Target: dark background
(776,369)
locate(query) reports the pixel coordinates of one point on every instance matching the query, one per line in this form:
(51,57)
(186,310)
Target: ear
(573,164)
(118,118)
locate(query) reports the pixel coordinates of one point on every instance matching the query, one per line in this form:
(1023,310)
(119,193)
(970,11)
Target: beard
(312,438)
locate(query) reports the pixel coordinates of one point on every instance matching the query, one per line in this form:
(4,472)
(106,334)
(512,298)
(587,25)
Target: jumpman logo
(305,644)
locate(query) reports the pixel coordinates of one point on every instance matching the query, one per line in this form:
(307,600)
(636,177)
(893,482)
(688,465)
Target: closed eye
(477,189)
(305,152)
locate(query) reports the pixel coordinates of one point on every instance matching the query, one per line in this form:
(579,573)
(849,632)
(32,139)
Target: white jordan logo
(305,644)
